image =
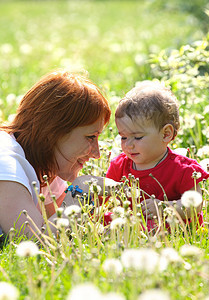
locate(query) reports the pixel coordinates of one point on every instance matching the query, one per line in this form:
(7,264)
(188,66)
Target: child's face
(141,141)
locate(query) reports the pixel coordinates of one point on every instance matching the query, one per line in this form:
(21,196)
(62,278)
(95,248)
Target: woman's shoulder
(8,143)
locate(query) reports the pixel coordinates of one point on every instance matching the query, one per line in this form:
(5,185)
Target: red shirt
(174,173)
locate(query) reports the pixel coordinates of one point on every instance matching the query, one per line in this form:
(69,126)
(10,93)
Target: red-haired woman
(54,132)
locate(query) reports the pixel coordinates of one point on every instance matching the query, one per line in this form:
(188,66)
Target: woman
(54,132)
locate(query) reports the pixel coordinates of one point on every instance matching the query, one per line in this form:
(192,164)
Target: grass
(112,40)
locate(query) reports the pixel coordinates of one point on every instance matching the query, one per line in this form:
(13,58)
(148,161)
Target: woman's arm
(14,198)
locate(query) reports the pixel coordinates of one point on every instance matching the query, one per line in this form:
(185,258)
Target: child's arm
(149,208)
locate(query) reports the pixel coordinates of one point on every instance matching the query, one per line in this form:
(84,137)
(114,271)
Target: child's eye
(123,138)
(138,138)
(91,137)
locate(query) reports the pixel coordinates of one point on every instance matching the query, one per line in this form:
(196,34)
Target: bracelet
(76,189)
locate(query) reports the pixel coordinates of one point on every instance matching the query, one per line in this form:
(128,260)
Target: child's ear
(168,132)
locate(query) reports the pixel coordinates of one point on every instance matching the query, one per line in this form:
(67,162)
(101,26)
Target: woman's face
(75,148)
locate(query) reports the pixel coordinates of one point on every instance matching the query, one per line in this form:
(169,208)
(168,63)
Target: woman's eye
(123,138)
(91,137)
(138,138)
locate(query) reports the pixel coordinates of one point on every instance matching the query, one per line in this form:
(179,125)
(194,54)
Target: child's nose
(129,143)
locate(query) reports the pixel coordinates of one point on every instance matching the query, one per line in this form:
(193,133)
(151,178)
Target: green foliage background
(118,43)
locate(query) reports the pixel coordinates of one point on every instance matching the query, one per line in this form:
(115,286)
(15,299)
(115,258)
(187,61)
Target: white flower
(113,266)
(204,151)
(27,248)
(205,164)
(181,151)
(113,296)
(171,255)
(191,199)
(117,223)
(86,291)
(140,259)
(8,291)
(154,294)
(190,250)
(62,222)
(95,188)
(72,209)
(118,211)
(99,228)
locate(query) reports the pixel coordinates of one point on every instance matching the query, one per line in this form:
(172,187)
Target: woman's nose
(95,150)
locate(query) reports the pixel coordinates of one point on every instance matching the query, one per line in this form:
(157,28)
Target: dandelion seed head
(71,210)
(190,250)
(62,223)
(8,291)
(140,259)
(154,294)
(27,248)
(113,266)
(86,291)
(191,199)
(171,255)
(118,211)
(117,223)
(113,296)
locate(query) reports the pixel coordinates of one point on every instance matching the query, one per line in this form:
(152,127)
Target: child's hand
(150,207)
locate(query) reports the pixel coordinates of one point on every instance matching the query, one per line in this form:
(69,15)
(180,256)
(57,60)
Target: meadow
(117,43)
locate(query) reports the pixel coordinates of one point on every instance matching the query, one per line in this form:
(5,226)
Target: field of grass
(118,43)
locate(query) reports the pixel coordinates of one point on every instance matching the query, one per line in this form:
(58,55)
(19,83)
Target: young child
(147,119)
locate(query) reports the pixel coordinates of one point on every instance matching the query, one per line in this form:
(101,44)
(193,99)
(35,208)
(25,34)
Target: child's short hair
(153,102)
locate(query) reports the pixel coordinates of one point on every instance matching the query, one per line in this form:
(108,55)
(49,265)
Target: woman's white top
(15,167)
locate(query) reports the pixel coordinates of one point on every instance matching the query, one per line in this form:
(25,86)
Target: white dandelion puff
(71,210)
(86,291)
(154,294)
(191,199)
(62,223)
(171,255)
(118,211)
(112,266)
(113,296)
(190,250)
(140,259)
(8,291)
(27,248)
(117,223)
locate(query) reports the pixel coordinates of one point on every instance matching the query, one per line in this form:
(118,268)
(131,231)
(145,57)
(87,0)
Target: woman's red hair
(53,107)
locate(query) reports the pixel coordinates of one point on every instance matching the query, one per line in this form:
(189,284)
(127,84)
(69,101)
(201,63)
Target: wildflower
(181,151)
(140,259)
(113,266)
(190,250)
(95,188)
(113,296)
(196,175)
(62,222)
(171,255)
(27,248)
(118,211)
(191,199)
(154,294)
(86,291)
(99,228)
(205,164)
(8,291)
(71,210)
(117,223)
(204,151)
